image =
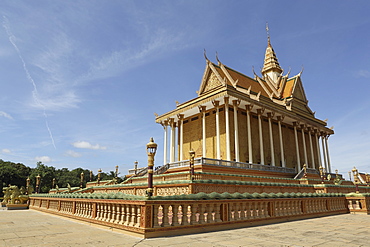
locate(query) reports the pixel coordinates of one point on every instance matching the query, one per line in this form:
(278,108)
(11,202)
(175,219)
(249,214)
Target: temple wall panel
(192,133)
(243,136)
(266,140)
(255,139)
(276,140)
(223,133)
(232,133)
(211,142)
(289,145)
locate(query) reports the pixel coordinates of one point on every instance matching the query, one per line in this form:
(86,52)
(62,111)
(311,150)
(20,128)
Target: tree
(12,173)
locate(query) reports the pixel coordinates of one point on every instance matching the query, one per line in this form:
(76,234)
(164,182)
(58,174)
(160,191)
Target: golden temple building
(261,121)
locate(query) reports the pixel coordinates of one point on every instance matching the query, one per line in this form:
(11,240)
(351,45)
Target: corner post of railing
(48,204)
(225,212)
(271,207)
(146,220)
(59,205)
(304,205)
(93,211)
(73,207)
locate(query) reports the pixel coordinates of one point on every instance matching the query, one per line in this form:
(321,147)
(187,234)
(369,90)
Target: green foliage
(17,173)
(12,173)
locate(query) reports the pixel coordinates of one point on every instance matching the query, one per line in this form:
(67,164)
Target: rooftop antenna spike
(217,58)
(268,33)
(205,55)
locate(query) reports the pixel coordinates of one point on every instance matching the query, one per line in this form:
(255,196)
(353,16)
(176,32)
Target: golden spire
(271,63)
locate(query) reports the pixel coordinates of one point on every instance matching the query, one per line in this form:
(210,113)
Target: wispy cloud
(87,145)
(6,151)
(362,73)
(29,77)
(71,153)
(43,159)
(6,115)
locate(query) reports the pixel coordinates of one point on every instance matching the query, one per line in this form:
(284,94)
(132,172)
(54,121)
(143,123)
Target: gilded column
(204,137)
(318,148)
(262,155)
(327,153)
(296,145)
(270,116)
(218,147)
(172,140)
(311,147)
(227,124)
(165,145)
(304,145)
(181,135)
(324,150)
(236,129)
(250,150)
(280,119)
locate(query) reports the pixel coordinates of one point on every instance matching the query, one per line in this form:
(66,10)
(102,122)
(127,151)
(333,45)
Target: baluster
(114,213)
(232,212)
(210,213)
(98,211)
(138,215)
(217,209)
(258,209)
(109,213)
(239,210)
(118,213)
(252,210)
(186,214)
(123,214)
(165,219)
(201,213)
(171,215)
(180,214)
(265,210)
(350,205)
(247,210)
(128,215)
(83,209)
(156,216)
(279,208)
(193,216)
(103,212)
(175,215)
(133,215)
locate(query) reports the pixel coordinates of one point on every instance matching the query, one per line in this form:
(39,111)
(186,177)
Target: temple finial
(268,33)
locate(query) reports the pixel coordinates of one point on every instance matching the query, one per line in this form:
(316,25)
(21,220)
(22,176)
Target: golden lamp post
(305,171)
(81,180)
(38,179)
(191,164)
(321,169)
(91,175)
(151,149)
(28,182)
(117,171)
(99,174)
(135,166)
(356,180)
(53,185)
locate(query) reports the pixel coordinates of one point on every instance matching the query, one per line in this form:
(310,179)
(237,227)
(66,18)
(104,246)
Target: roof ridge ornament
(205,54)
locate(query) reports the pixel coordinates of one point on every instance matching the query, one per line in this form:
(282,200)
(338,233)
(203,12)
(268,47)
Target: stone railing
(225,163)
(358,203)
(153,218)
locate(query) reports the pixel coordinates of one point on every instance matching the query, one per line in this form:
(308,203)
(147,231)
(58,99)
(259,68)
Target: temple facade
(262,120)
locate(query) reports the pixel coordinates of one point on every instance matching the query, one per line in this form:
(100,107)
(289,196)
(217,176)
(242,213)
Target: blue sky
(80,80)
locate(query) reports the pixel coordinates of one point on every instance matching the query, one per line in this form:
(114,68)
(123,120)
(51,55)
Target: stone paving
(33,228)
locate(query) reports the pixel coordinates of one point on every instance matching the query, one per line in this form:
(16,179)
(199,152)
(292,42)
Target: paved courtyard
(33,228)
